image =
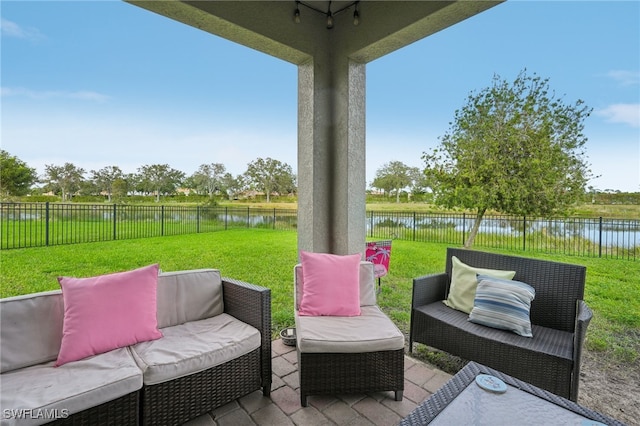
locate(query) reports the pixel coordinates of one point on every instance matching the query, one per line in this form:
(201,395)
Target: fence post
(414,226)
(115,212)
(197,219)
(162,220)
(524,233)
(464,227)
(371,213)
(274,218)
(600,238)
(248,217)
(46,224)
(226,210)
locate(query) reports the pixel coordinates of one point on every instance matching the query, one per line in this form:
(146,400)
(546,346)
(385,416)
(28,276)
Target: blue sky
(101,83)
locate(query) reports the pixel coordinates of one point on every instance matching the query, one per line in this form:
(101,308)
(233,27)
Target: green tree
(105,179)
(420,184)
(16,177)
(269,175)
(160,179)
(232,186)
(120,187)
(515,148)
(67,179)
(209,178)
(394,176)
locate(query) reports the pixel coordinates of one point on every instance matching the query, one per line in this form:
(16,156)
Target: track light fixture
(329,14)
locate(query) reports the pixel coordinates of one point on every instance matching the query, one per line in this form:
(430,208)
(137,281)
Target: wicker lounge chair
(559,317)
(346,355)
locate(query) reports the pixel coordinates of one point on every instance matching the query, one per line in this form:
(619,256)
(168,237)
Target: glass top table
(461,401)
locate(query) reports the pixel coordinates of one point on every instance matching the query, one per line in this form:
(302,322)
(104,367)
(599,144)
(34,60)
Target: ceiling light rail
(328,13)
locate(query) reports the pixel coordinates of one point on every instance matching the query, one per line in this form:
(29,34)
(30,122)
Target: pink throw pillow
(330,284)
(108,312)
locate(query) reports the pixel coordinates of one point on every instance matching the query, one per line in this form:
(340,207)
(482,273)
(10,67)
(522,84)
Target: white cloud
(85,95)
(622,113)
(625,78)
(11,29)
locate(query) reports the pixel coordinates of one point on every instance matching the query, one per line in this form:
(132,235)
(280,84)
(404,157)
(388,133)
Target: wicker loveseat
(559,318)
(216,347)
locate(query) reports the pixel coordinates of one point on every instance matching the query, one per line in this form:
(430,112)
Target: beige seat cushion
(193,347)
(70,388)
(372,331)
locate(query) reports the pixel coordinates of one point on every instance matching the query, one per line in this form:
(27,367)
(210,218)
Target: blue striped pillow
(503,304)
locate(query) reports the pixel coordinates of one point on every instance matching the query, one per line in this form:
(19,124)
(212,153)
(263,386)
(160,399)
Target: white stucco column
(331,155)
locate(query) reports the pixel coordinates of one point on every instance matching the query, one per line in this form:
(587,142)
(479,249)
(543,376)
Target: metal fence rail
(25,225)
(592,237)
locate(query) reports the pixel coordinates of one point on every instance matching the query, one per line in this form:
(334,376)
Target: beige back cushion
(30,329)
(185,296)
(367,284)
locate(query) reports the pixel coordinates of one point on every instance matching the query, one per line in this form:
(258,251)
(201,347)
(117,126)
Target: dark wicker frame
(182,399)
(348,373)
(119,412)
(428,410)
(558,310)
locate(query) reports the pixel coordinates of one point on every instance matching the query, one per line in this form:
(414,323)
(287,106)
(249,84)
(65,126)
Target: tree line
(267,176)
(264,175)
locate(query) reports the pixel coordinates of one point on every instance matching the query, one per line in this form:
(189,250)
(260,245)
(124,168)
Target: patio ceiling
(331,88)
(268,26)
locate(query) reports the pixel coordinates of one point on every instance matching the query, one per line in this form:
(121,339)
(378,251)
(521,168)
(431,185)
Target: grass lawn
(266,258)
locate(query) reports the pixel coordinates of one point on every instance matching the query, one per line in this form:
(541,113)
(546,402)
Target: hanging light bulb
(328,13)
(329,17)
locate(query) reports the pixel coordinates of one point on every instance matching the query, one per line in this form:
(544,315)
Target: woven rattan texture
(347,373)
(550,360)
(252,304)
(558,285)
(429,409)
(179,400)
(122,411)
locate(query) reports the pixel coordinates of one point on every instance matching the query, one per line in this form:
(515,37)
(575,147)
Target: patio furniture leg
(399,395)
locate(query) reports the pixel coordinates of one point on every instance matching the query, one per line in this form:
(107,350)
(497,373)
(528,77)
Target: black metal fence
(593,237)
(45,224)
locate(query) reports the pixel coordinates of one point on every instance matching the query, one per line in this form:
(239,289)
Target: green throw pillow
(464,282)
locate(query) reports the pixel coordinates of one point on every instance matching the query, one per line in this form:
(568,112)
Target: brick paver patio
(283,407)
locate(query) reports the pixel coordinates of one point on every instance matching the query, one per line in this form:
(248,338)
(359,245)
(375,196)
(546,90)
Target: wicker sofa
(559,318)
(216,347)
